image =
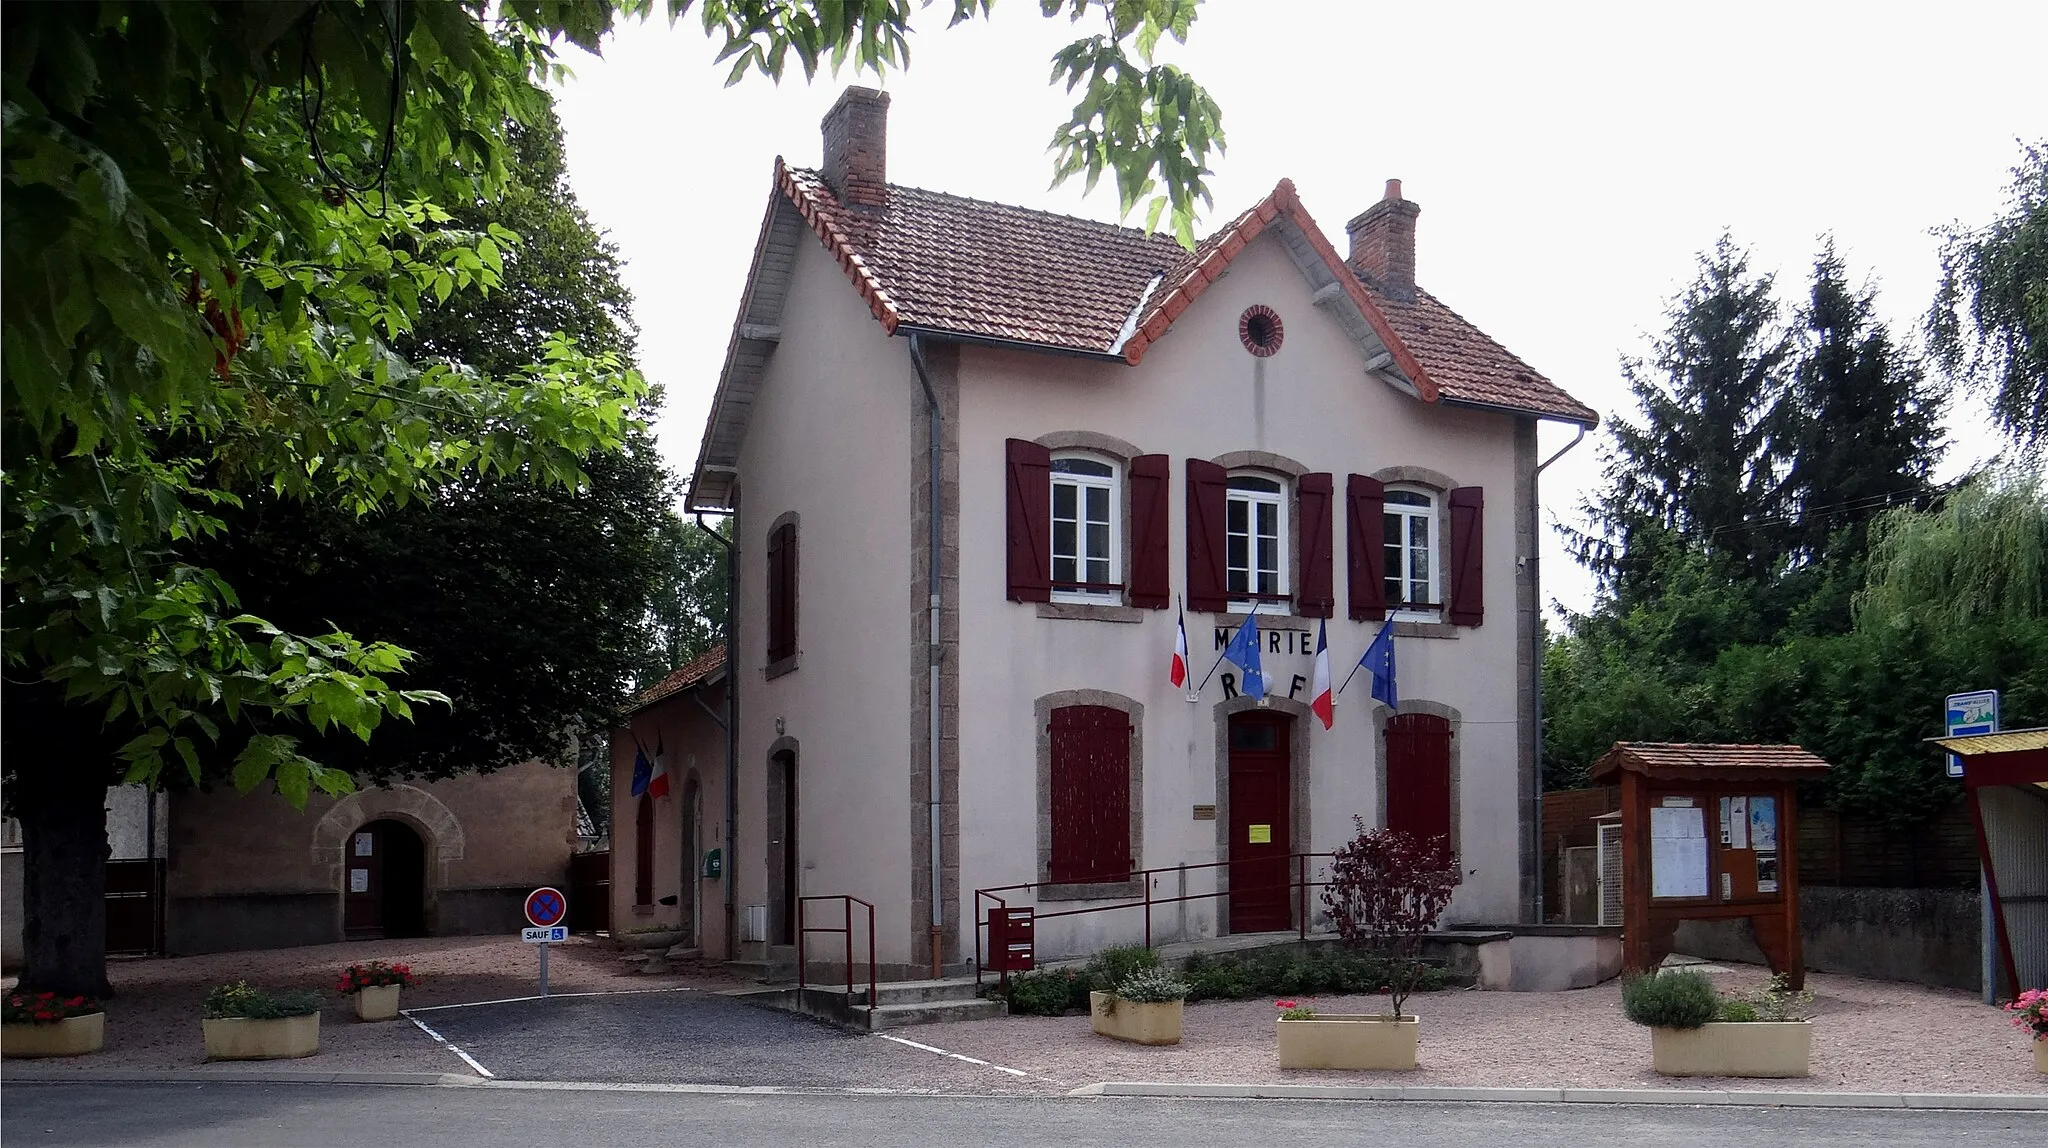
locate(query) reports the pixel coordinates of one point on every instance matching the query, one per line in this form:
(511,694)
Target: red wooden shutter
(1091,795)
(1030,520)
(643,852)
(1366,548)
(782,592)
(1207,484)
(1317,593)
(1468,583)
(1419,775)
(1151,558)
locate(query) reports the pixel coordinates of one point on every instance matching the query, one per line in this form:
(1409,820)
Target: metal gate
(135,906)
(590,892)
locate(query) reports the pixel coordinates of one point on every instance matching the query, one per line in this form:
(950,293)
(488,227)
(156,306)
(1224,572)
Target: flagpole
(1211,674)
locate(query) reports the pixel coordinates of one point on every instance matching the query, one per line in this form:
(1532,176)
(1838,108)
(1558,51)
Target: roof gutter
(1583,424)
(935,789)
(1536,661)
(938,336)
(732,728)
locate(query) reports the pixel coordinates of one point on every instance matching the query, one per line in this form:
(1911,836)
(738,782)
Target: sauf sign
(1272,643)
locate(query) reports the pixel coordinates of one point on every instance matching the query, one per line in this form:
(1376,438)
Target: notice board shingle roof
(1693,761)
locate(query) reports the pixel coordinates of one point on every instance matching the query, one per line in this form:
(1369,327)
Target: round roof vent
(1260,330)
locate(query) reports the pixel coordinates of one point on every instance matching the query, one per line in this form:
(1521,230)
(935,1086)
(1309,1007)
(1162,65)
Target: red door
(1261,835)
(1419,775)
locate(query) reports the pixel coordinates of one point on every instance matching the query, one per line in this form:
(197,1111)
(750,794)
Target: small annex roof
(1693,761)
(704,670)
(2011,741)
(968,269)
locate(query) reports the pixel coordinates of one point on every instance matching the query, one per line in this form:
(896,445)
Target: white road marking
(550,996)
(957,1056)
(449,1045)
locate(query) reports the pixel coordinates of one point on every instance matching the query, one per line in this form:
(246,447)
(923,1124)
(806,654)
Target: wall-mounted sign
(1205,813)
(714,862)
(1261,835)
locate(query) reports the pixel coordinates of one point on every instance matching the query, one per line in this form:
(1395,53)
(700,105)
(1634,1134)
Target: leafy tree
(221,221)
(1990,315)
(1702,469)
(1386,891)
(1981,558)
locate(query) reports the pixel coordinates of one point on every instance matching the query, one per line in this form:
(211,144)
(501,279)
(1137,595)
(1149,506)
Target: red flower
(1284,1004)
(44,1015)
(46,996)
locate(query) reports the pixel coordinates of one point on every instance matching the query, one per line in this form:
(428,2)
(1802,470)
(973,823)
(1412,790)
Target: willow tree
(1990,316)
(1979,558)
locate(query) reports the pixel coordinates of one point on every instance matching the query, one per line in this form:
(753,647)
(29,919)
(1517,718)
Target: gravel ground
(1869,1036)
(153,1018)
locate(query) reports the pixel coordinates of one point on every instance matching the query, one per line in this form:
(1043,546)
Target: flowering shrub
(1291,1010)
(1386,890)
(373,975)
(45,1008)
(2030,1011)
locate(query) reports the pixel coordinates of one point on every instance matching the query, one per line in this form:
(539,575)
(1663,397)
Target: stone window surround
(1380,714)
(781,666)
(1298,784)
(1289,469)
(1121,453)
(1042,714)
(1442,484)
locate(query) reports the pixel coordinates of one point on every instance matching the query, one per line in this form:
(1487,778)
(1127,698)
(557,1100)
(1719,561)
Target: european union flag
(1243,652)
(1378,660)
(643,772)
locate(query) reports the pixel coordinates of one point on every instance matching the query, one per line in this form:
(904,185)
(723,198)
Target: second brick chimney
(857,148)
(1383,243)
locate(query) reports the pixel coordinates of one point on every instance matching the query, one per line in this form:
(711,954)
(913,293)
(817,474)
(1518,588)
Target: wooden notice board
(1707,834)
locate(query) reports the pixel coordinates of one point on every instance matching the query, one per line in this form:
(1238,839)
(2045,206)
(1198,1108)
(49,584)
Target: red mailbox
(1010,944)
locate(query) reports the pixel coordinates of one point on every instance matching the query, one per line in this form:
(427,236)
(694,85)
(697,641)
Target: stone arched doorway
(386,890)
(431,824)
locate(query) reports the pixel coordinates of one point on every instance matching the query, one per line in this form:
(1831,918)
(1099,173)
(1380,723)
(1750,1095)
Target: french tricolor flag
(1178,672)
(1321,701)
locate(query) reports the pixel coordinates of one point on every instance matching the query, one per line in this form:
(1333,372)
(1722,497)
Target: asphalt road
(690,1038)
(304,1116)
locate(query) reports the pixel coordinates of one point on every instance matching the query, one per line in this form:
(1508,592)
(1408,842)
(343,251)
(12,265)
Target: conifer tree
(1863,433)
(1702,470)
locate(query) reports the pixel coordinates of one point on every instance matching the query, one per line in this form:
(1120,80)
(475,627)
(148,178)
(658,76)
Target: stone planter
(378,1002)
(2041,1055)
(241,1038)
(1724,1048)
(1352,1042)
(72,1036)
(1156,1022)
(655,939)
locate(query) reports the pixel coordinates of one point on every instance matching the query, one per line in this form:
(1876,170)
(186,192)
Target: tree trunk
(63,813)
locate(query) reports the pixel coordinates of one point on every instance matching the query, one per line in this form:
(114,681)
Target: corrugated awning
(1977,744)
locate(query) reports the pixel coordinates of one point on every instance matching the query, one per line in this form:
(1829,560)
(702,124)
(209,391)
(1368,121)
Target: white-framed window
(1087,556)
(1255,542)
(1413,541)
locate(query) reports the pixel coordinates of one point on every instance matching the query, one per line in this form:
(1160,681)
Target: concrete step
(918,992)
(890,1016)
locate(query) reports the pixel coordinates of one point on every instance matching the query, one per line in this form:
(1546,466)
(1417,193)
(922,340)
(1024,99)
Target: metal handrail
(847,901)
(1297,883)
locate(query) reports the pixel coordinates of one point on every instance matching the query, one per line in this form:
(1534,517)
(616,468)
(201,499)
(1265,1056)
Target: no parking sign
(545,907)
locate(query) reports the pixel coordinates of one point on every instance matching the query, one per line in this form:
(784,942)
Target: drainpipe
(1536,664)
(936,790)
(732,729)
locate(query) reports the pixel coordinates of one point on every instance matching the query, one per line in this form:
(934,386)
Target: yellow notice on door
(1262,835)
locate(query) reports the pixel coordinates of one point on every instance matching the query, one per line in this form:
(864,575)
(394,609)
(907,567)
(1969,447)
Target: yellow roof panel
(1978,744)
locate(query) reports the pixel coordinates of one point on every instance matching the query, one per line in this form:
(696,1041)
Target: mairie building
(981,462)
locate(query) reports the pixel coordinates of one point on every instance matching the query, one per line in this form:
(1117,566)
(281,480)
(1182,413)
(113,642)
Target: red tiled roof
(969,267)
(707,664)
(1469,366)
(1694,761)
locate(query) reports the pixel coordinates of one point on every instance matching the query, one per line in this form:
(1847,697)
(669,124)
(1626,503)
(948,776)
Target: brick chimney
(1383,243)
(857,148)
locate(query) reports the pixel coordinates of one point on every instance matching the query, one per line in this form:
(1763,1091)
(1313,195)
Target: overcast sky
(1570,160)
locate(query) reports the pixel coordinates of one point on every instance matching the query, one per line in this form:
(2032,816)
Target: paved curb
(1726,1097)
(231,1076)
